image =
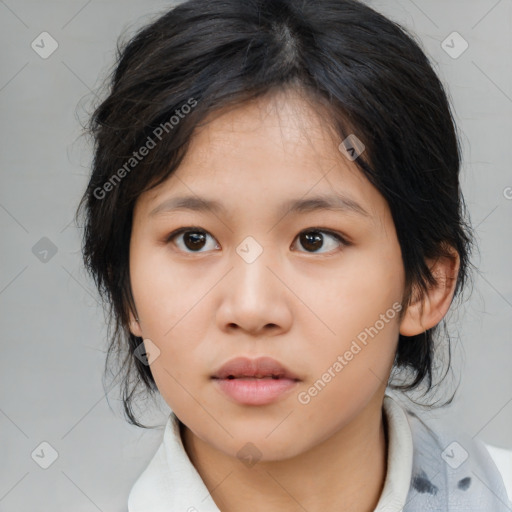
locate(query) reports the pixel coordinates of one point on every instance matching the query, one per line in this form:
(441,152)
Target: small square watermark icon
(147,352)
(249,454)
(249,249)
(454,45)
(44,45)
(454,455)
(45,455)
(44,250)
(351,147)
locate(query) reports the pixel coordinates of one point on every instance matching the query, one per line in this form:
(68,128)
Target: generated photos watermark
(143,151)
(304,397)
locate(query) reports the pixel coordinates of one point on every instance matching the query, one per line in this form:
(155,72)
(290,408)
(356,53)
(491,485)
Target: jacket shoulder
(502,457)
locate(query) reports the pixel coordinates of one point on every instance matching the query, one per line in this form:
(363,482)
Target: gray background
(53,332)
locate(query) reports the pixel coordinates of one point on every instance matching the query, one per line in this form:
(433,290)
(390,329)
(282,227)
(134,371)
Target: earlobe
(426,311)
(135,326)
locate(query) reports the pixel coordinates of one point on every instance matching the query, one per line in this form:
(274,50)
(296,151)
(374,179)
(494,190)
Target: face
(315,288)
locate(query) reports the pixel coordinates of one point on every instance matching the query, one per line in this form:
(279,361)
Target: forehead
(269,151)
(284,123)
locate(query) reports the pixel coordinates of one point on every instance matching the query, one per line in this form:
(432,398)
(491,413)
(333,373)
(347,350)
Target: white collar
(171,483)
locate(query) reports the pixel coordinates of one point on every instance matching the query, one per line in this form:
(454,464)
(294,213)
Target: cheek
(168,307)
(360,290)
(347,373)
(358,308)
(163,292)
(170,373)
(176,371)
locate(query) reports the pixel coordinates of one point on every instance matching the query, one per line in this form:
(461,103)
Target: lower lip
(255,391)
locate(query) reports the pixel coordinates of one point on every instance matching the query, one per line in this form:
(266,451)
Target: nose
(255,297)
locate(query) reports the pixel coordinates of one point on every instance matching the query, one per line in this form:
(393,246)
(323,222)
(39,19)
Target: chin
(261,447)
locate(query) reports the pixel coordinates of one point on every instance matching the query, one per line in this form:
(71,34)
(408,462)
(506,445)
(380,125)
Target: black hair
(366,72)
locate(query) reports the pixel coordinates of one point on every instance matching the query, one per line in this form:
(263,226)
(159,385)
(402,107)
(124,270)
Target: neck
(317,480)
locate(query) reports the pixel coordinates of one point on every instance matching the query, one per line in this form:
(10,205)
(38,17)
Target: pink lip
(254,381)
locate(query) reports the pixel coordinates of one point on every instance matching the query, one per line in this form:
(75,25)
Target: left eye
(194,240)
(313,239)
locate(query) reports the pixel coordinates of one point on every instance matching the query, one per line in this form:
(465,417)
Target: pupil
(194,240)
(313,239)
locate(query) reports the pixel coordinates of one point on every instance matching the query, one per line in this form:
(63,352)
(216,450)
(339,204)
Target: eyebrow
(338,203)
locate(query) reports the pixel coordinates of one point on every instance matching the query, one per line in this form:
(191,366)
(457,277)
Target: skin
(302,307)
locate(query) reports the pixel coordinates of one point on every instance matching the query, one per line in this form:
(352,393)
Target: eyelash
(343,242)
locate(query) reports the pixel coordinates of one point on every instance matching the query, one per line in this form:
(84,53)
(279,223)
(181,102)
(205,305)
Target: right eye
(194,239)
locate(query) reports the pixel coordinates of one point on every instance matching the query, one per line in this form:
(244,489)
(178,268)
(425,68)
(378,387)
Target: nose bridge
(251,263)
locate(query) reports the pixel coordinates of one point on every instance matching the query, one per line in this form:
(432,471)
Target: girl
(275,221)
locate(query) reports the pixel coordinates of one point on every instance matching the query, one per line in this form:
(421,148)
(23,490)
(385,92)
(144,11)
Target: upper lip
(259,367)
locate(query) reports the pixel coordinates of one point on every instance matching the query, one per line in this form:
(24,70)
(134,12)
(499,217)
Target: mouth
(260,368)
(254,381)
(275,377)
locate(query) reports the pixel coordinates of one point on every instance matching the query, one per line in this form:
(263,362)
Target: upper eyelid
(180,231)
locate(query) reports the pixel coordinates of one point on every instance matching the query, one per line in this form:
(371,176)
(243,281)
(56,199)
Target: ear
(134,325)
(428,310)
